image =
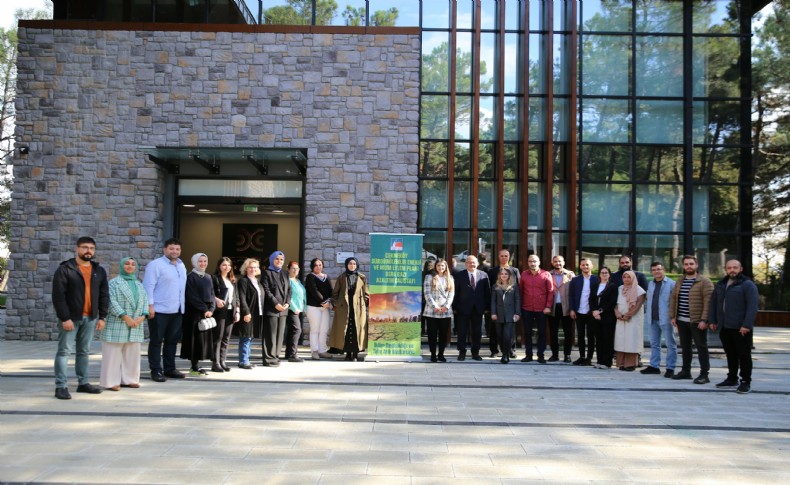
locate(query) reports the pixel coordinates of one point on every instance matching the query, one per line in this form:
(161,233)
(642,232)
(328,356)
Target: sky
(8,7)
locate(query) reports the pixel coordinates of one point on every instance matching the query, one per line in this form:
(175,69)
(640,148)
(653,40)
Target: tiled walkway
(398,423)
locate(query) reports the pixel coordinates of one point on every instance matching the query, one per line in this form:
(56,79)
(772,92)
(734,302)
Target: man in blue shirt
(658,292)
(165,281)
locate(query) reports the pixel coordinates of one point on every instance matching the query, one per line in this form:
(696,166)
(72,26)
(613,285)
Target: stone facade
(88,100)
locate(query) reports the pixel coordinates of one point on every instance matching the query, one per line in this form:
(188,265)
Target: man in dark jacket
(81,298)
(733,307)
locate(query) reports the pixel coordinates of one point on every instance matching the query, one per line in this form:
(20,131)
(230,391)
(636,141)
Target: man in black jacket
(81,298)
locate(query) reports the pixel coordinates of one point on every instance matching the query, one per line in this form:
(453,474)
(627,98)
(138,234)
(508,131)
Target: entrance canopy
(271,162)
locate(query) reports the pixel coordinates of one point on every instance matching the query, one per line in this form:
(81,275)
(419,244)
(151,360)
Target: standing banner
(394,328)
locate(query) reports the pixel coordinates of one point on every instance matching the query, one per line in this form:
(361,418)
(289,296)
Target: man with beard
(733,307)
(688,312)
(81,297)
(560,314)
(537,297)
(658,294)
(586,325)
(625,265)
(493,275)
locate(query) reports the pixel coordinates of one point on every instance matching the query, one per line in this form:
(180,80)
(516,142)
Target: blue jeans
(164,328)
(244,350)
(655,344)
(81,336)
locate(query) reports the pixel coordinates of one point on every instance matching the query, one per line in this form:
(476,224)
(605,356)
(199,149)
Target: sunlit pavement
(327,422)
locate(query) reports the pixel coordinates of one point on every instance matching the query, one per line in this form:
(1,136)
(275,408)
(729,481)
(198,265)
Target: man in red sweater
(537,294)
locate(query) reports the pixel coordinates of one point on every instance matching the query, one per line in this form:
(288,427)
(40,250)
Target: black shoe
(684,374)
(554,358)
(360,358)
(348,357)
(89,388)
(441,358)
(504,360)
(295,359)
(512,355)
(461,357)
(628,369)
(225,367)
(727,384)
(744,388)
(217,368)
(702,379)
(157,376)
(62,393)
(433,358)
(587,363)
(174,374)
(246,366)
(579,361)
(650,370)
(273,363)
(669,373)
(476,357)
(541,359)
(567,359)
(527,359)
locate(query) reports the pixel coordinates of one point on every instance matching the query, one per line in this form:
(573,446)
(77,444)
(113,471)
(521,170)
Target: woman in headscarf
(277,290)
(350,297)
(628,335)
(123,332)
(197,345)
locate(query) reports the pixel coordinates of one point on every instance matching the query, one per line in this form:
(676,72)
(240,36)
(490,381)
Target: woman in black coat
(603,300)
(198,345)
(250,309)
(226,313)
(277,289)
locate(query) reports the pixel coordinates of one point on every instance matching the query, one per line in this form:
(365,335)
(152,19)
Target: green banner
(395,295)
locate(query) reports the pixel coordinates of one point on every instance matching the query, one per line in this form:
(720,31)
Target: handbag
(206,324)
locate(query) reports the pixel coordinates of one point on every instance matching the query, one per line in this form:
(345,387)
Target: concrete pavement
(335,422)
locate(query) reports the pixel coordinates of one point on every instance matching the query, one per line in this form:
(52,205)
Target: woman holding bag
(197,344)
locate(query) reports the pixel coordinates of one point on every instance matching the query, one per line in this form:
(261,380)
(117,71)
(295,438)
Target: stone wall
(89,100)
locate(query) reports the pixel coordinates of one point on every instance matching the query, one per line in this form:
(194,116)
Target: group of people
(200,310)
(606,311)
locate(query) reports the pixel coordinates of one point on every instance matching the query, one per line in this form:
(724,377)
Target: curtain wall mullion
(499,162)
(548,158)
(451,128)
(524,152)
(475,155)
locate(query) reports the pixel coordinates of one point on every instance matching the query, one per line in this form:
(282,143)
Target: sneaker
(669,373)
(62,393)
(650,370)
(196,373)
(326,355)
(684,374)
(726,384)
(744,388)
(89,388)
(315,356)
(702,379)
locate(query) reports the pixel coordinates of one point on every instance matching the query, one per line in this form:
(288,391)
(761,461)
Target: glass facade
(587,128)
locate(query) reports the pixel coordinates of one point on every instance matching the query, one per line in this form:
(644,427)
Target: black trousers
(739,353)
(222,333)
(491,332)
(466,323)
(587,330)
(567,330)
(293,330)
(272,338)
(437,328)
(689,332)
(505,332)
(605,341)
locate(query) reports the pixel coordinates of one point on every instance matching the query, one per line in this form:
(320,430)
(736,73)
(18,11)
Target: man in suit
(586,325)
(472,300)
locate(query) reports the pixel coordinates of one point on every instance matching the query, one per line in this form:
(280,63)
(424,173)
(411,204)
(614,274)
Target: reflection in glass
(465,14)
(512,64)
(562,13)
(537,63)
(605,15)
(659,16)
(511,205)
(486,242)
(717,122)
(463,157)
(536,16)
(535,204)
(664,248)
(513,117)
(659,208)
(488,14)
(605,61)
(463,66)
(659,122)
(604,249)
(486,205)
(510,241)
(559,161)
(559,206)
(561,60)
(659,66)
(461,199)
(716,67)
(435,116)
(511,162)
(605,207)
(408,13)
(463,118)
(487,120)
(436,14)
(716,164)
(724,210)
(433,203)
(435,62)
(537,117)
(487,160)
(605,162)
(714,16)
(434,243)
(605,120)
(513,15)
(535,160)
(433,159)
(487,49)
(659,164)
(460,248)
(714,251)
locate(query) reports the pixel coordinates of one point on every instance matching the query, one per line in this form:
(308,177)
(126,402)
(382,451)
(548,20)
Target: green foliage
(300,12)
(380,18)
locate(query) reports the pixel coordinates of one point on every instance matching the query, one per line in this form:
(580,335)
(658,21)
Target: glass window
(659,122)
(605,120)
(433,203)
(605,162)
(561,60)
(436,14)
(535,162)
(664,248)
(486,242)
(488,14)
(716,68)
(461,203)
(513,10)
(659,208)
(486,161)
(488,126)
(465,12)
(354,13)
(701,203)
(512,63)
(463,160)
(715,16)
(433,159)
(559,206)
(717,164)
(606,15)
(604,249)
(407,14)
(435,116)
(537,63)
(535,205)
(537,119)
(659,66)
(460,248)
(488,64)
(717,122)
(714,251)
(486,205)
(659,164)
(463,117)
(535,244)
(559,161)
(513,116)
(434,243)
(463,63)
(606,61)
(561,14)
(511,162)
(724,213)
(559,245)
(605,207)
(511,205)
(435,62)
(659,16)
(561,119)
(511,242)
(536,15)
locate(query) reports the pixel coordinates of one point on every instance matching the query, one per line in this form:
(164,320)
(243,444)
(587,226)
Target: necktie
(472,280)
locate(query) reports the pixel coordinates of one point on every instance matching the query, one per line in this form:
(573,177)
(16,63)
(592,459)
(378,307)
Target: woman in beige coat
(350,328)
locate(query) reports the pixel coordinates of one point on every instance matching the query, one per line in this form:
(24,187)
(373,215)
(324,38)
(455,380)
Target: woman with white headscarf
(198,345)
(628,334)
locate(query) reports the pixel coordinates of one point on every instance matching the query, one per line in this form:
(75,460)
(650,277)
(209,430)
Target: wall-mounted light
(188,205)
